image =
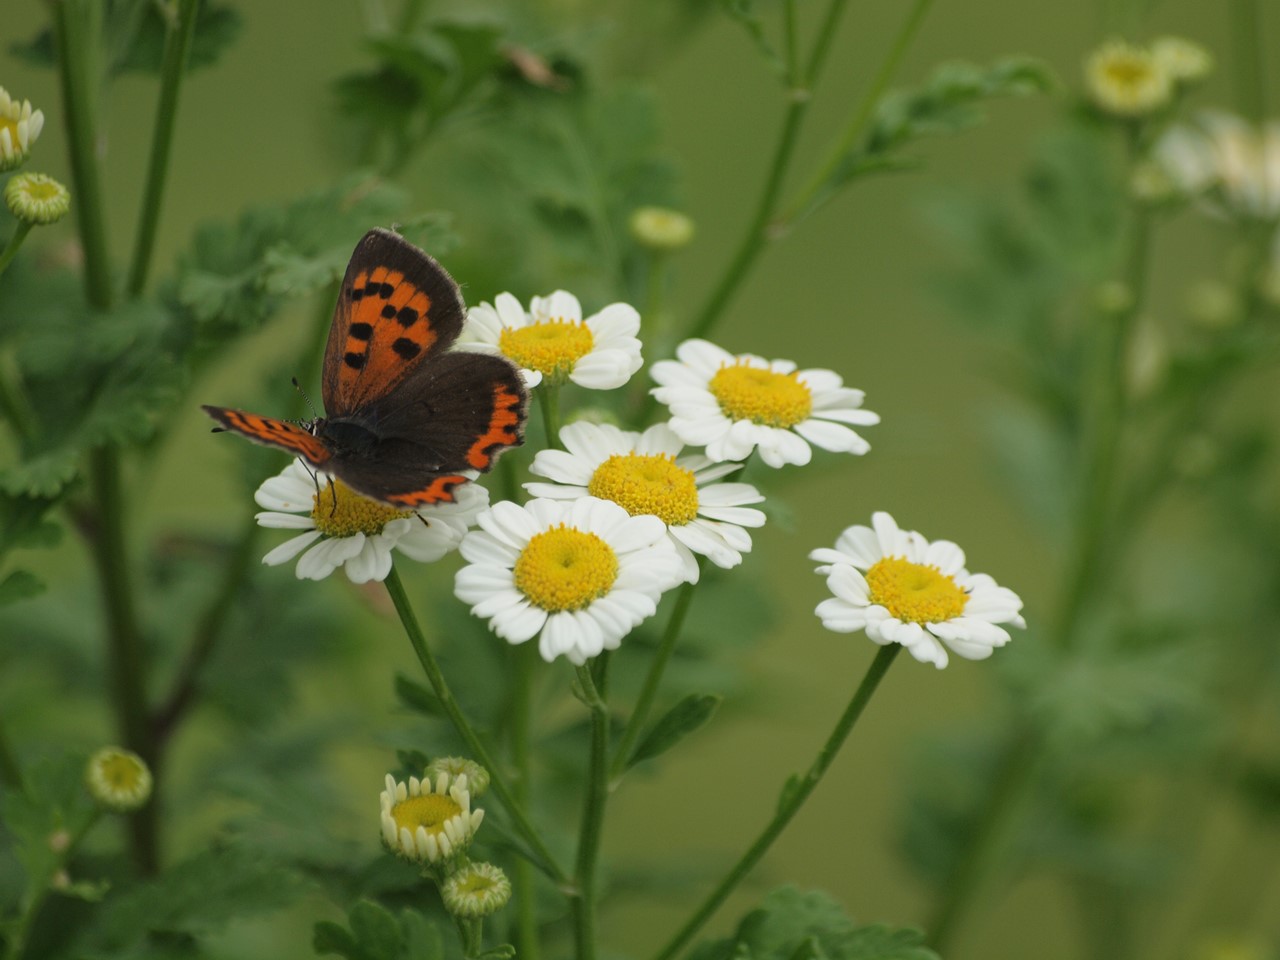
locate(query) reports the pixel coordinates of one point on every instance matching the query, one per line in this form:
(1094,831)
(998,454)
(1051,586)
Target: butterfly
(406,417)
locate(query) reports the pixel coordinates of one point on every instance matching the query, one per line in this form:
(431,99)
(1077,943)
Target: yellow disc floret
(761,396)
(914,592)
(643,484)
(431,811)
(551,347)
(565,569)
(339,511)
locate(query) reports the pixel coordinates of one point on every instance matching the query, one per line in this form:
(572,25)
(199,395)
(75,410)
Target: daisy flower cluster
(616,518)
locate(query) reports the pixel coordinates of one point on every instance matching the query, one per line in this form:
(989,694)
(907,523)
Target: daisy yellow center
(121,772)
(551,347)
(761,396)
(565,569)
(1128,72)
(41,191)
(913,592)
(339,511)
(430,810)
(643,484)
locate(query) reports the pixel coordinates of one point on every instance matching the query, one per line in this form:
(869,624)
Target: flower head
(36,198)
(475,891)
(733,404)
(900,588)
(426,822)
(1126,80)
(660,229)
(477,776)
(1234,164)
(1184,60)
(118,779)
(552,341)
(343,529)
(646,474)
(19,128)
(578,575)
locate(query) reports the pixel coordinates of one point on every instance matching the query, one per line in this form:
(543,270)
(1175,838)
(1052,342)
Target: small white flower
(428,823)
(645,474)
(118,779)
(1235,164)
(19,128)
(476,890)
(732,404)
(1184,60)
(343,529)
(552,340)
(578,575)
(900,588)
(1126,80)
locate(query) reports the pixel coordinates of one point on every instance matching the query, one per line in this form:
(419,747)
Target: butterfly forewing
(397,307)
(274,433)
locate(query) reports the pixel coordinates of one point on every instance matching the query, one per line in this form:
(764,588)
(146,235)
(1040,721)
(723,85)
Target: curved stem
(584,906)
(793,799)
(862,116)
(177,44)
(11,248)
(432,669)
(652,680)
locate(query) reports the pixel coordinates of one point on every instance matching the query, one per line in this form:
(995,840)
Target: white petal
(290,548)
(562,467)
(832,436)
(850,585)
(285,521)
(703,357)
(946,556)
(326,556)
(616,321)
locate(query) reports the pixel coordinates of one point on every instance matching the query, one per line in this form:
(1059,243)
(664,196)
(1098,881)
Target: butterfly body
(406,418)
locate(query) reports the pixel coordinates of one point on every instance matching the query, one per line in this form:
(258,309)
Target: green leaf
(134,35)
(19,585)
(23,523)
(676,724)
(375,930)
(790,924)
(377,934)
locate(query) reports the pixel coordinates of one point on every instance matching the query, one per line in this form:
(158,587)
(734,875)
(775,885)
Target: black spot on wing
(361,331)
(388,312)
(354,360)
(407,317)
(406,348)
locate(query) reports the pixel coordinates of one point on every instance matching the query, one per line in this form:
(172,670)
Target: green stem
(523,880)
(981,856)
(794,796)
(862,116)
(77,25)
(21,927)
(172,70)
(584,905)
(653,679)
(127,665)
(434,675)
(11,248)
(10,772)
(549,402)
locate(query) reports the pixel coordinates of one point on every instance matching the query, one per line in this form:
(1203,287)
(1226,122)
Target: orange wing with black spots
(274,433)
(396,308)
(439,490)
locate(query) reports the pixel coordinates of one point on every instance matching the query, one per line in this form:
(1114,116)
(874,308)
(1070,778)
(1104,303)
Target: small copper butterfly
(405,415)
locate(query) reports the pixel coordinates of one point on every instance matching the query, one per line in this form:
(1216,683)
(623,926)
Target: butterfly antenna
(334,489)
(310,406)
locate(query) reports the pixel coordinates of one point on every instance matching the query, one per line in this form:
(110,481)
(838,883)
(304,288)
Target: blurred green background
(850,289)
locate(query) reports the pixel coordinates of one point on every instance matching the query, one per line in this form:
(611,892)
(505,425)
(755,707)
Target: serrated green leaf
(23,523)
(422,939)
(333,938)
(676,724)
(20,585)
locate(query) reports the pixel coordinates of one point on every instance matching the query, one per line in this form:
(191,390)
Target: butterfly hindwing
(397,307)
(274,433)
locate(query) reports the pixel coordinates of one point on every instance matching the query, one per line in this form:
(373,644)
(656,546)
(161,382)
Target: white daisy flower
(578,575)
(428,823)
(732,404)
(552,340)
(19,128)
(645,474)
(1233,162)
(340,528)
(900,588)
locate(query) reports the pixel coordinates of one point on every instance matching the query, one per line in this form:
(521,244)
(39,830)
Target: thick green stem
(794,796)
(862,115)
(584,905)
(981,857)
(481,753)
(549,402)
(11,248)
(523,880)
(635,723)
(77,25)
(172,70)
